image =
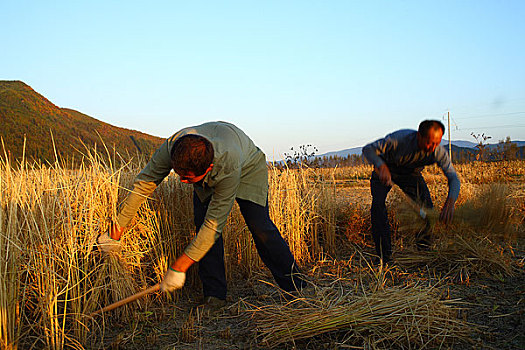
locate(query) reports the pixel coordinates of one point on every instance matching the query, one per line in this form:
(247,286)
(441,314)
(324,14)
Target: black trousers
(415,187)
(272,249)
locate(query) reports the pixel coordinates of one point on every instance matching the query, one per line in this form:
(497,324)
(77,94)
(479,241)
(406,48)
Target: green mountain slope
(26,113)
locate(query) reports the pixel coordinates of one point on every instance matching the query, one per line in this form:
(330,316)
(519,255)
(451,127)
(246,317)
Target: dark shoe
(299,293)
(423,238)
(423,245)
(384,260)
(212,305)
(387,262)
(299,282)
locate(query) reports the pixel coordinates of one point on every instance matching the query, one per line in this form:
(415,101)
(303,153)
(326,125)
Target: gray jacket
(400,152)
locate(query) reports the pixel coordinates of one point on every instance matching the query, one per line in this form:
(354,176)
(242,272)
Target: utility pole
(449,141)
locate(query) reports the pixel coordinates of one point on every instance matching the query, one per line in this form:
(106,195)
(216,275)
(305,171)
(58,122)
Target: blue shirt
(401,153)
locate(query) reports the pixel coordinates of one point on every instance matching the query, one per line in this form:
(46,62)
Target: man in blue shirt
(399,158)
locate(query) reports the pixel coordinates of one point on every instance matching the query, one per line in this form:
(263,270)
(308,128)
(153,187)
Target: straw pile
(462,255)
(397,317)
(467,245)
(489,211)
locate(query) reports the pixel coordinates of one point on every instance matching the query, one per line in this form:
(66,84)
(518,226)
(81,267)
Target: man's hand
(172,280)
(107,244)
(384,175)
(176,275)
(448,211)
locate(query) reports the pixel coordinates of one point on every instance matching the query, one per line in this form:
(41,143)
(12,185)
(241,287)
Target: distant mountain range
(458,143)
(25,114)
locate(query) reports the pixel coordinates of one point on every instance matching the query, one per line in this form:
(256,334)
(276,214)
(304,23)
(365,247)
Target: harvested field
(467,292)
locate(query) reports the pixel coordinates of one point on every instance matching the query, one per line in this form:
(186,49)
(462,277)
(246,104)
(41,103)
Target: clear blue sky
(335,74)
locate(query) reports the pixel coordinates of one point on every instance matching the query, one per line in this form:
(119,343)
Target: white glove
(172,280)
(108,244)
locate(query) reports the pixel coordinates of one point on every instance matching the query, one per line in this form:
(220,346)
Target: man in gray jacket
(224,166)
(399,158)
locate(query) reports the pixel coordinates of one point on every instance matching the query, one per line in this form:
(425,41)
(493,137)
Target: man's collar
(208,176)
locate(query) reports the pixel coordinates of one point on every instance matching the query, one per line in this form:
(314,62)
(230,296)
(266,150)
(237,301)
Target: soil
(496,307)
(493,305)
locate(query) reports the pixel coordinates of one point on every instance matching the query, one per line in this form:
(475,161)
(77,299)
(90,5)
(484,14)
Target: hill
(358,150)
(472,145)
(457,146)
(342,153)
(24,113)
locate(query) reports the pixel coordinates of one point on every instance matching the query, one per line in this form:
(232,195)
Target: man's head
(429,135)
(192,157)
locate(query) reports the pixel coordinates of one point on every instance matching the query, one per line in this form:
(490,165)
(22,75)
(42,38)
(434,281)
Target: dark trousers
(272,249)
(415,187)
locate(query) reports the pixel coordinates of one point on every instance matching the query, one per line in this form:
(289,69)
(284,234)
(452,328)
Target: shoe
(212,305)
(423,246)
(297,294)
(384,263)
(423,238)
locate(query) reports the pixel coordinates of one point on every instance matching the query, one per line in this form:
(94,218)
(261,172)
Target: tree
(301,157)
(482,145)
(507,149)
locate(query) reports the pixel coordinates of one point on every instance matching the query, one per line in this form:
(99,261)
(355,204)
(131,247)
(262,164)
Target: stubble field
(467,292)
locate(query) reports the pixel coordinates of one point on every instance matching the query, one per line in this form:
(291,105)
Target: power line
(489,115)
(494,127)
(487,104)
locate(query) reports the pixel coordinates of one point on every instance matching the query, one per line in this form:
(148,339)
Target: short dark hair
(191,153)
(426,125)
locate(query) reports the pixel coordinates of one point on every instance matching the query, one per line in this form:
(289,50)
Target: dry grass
(461,256)
(11,250)
(304,211)
(486,173)
(189,331)
(406,317)
(52,275)
(54,216)
(471,244)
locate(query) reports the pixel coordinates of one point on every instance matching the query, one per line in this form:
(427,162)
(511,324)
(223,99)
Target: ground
(494,305)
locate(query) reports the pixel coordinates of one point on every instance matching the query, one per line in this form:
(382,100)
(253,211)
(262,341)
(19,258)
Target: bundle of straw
(465,253)
(404,317)
(467,245)
(411,222)
(490,211)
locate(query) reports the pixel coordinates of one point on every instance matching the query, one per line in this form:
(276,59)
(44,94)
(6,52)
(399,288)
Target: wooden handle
(127,300)
(419,209)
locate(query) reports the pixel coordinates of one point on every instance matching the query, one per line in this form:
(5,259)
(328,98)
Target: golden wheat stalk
(412,316)
(467,252)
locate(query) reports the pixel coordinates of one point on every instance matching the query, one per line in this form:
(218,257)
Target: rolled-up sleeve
(145,183)
(220,206)
(141,191)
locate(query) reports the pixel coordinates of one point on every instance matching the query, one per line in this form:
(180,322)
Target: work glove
(107,244)
(172,280)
